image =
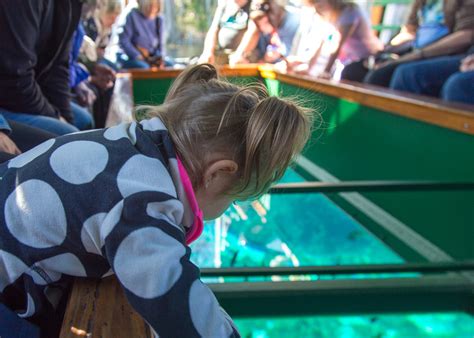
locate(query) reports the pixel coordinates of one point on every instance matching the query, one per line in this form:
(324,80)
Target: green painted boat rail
(369,186)
(425,268)
(426,294)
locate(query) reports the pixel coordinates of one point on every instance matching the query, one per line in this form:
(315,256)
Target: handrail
(459,117)
(426,268)
(346,296)
(368,186)
(455,116)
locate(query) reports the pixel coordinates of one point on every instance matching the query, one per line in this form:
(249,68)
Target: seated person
(227,29)
(83,96)
(457,16)
(34,84)
(98,30)
(16,138)
(270,33)
(314,42)
(141,38)
(356,40)
(448,77)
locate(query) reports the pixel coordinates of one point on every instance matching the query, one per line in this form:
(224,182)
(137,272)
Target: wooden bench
(98,308)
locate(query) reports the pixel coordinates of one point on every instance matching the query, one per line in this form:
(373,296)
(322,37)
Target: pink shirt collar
(196,228)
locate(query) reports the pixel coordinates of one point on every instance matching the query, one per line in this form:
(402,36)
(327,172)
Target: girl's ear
(220,174)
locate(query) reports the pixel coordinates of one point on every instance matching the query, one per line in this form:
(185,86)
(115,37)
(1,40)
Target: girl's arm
(454,43)
(314,59)
(210,42)
(248,43)
(145,248)
(345,32)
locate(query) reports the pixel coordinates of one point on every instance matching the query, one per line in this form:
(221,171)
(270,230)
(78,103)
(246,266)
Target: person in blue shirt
(141,38)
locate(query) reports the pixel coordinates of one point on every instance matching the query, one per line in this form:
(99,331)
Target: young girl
(128,199)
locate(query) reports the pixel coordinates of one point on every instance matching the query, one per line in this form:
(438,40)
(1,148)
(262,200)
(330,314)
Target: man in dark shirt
(34,75)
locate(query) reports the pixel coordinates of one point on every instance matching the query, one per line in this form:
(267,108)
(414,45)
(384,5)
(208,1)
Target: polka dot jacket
(95,203)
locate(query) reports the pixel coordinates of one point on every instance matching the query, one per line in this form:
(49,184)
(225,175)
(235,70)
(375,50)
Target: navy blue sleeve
(151,261)
(125,38)
(20,23)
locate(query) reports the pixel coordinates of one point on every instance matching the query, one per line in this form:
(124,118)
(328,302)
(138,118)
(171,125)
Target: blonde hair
(110,7)
(206,115)
(144,5)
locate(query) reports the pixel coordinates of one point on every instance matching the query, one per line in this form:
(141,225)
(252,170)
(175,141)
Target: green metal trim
(382,27)
(358,296)
(426,268)
(369,186)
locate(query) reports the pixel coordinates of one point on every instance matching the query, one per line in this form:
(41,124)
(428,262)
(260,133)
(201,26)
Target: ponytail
(205,115)
(277,131)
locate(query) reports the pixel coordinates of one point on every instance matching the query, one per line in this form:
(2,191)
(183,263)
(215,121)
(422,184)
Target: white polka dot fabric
(103,202)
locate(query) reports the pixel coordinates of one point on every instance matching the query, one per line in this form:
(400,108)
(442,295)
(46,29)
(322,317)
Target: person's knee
(458,87)
(403,77)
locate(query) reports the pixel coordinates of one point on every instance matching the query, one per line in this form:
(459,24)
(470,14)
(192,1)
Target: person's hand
(103,76)
(144,52)
(467,64)
(325,75)
(85,96)
(237,58)
(385,64)
(7,145)
(207,57)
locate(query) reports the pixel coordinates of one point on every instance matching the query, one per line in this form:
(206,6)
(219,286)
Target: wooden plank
(99,308)
(459,117)
(169,73)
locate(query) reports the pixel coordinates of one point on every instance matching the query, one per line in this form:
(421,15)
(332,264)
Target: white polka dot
(25,158)
(35,215)
(79,162)
(141,173)
(153,124)
(11,267)
(30,307)
(147,262)
(90,233)
(66,263)
(123,130)
(97,227)
(206,314)
(171,211)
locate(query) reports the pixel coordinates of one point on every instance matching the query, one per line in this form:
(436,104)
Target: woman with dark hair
(270,33)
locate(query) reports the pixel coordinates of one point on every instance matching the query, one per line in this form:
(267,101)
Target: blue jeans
(427,76)
(82,118)
(134,64)
(459,88)
(47,123)
(12,326)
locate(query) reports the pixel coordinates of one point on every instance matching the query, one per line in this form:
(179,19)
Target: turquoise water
(309,229)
